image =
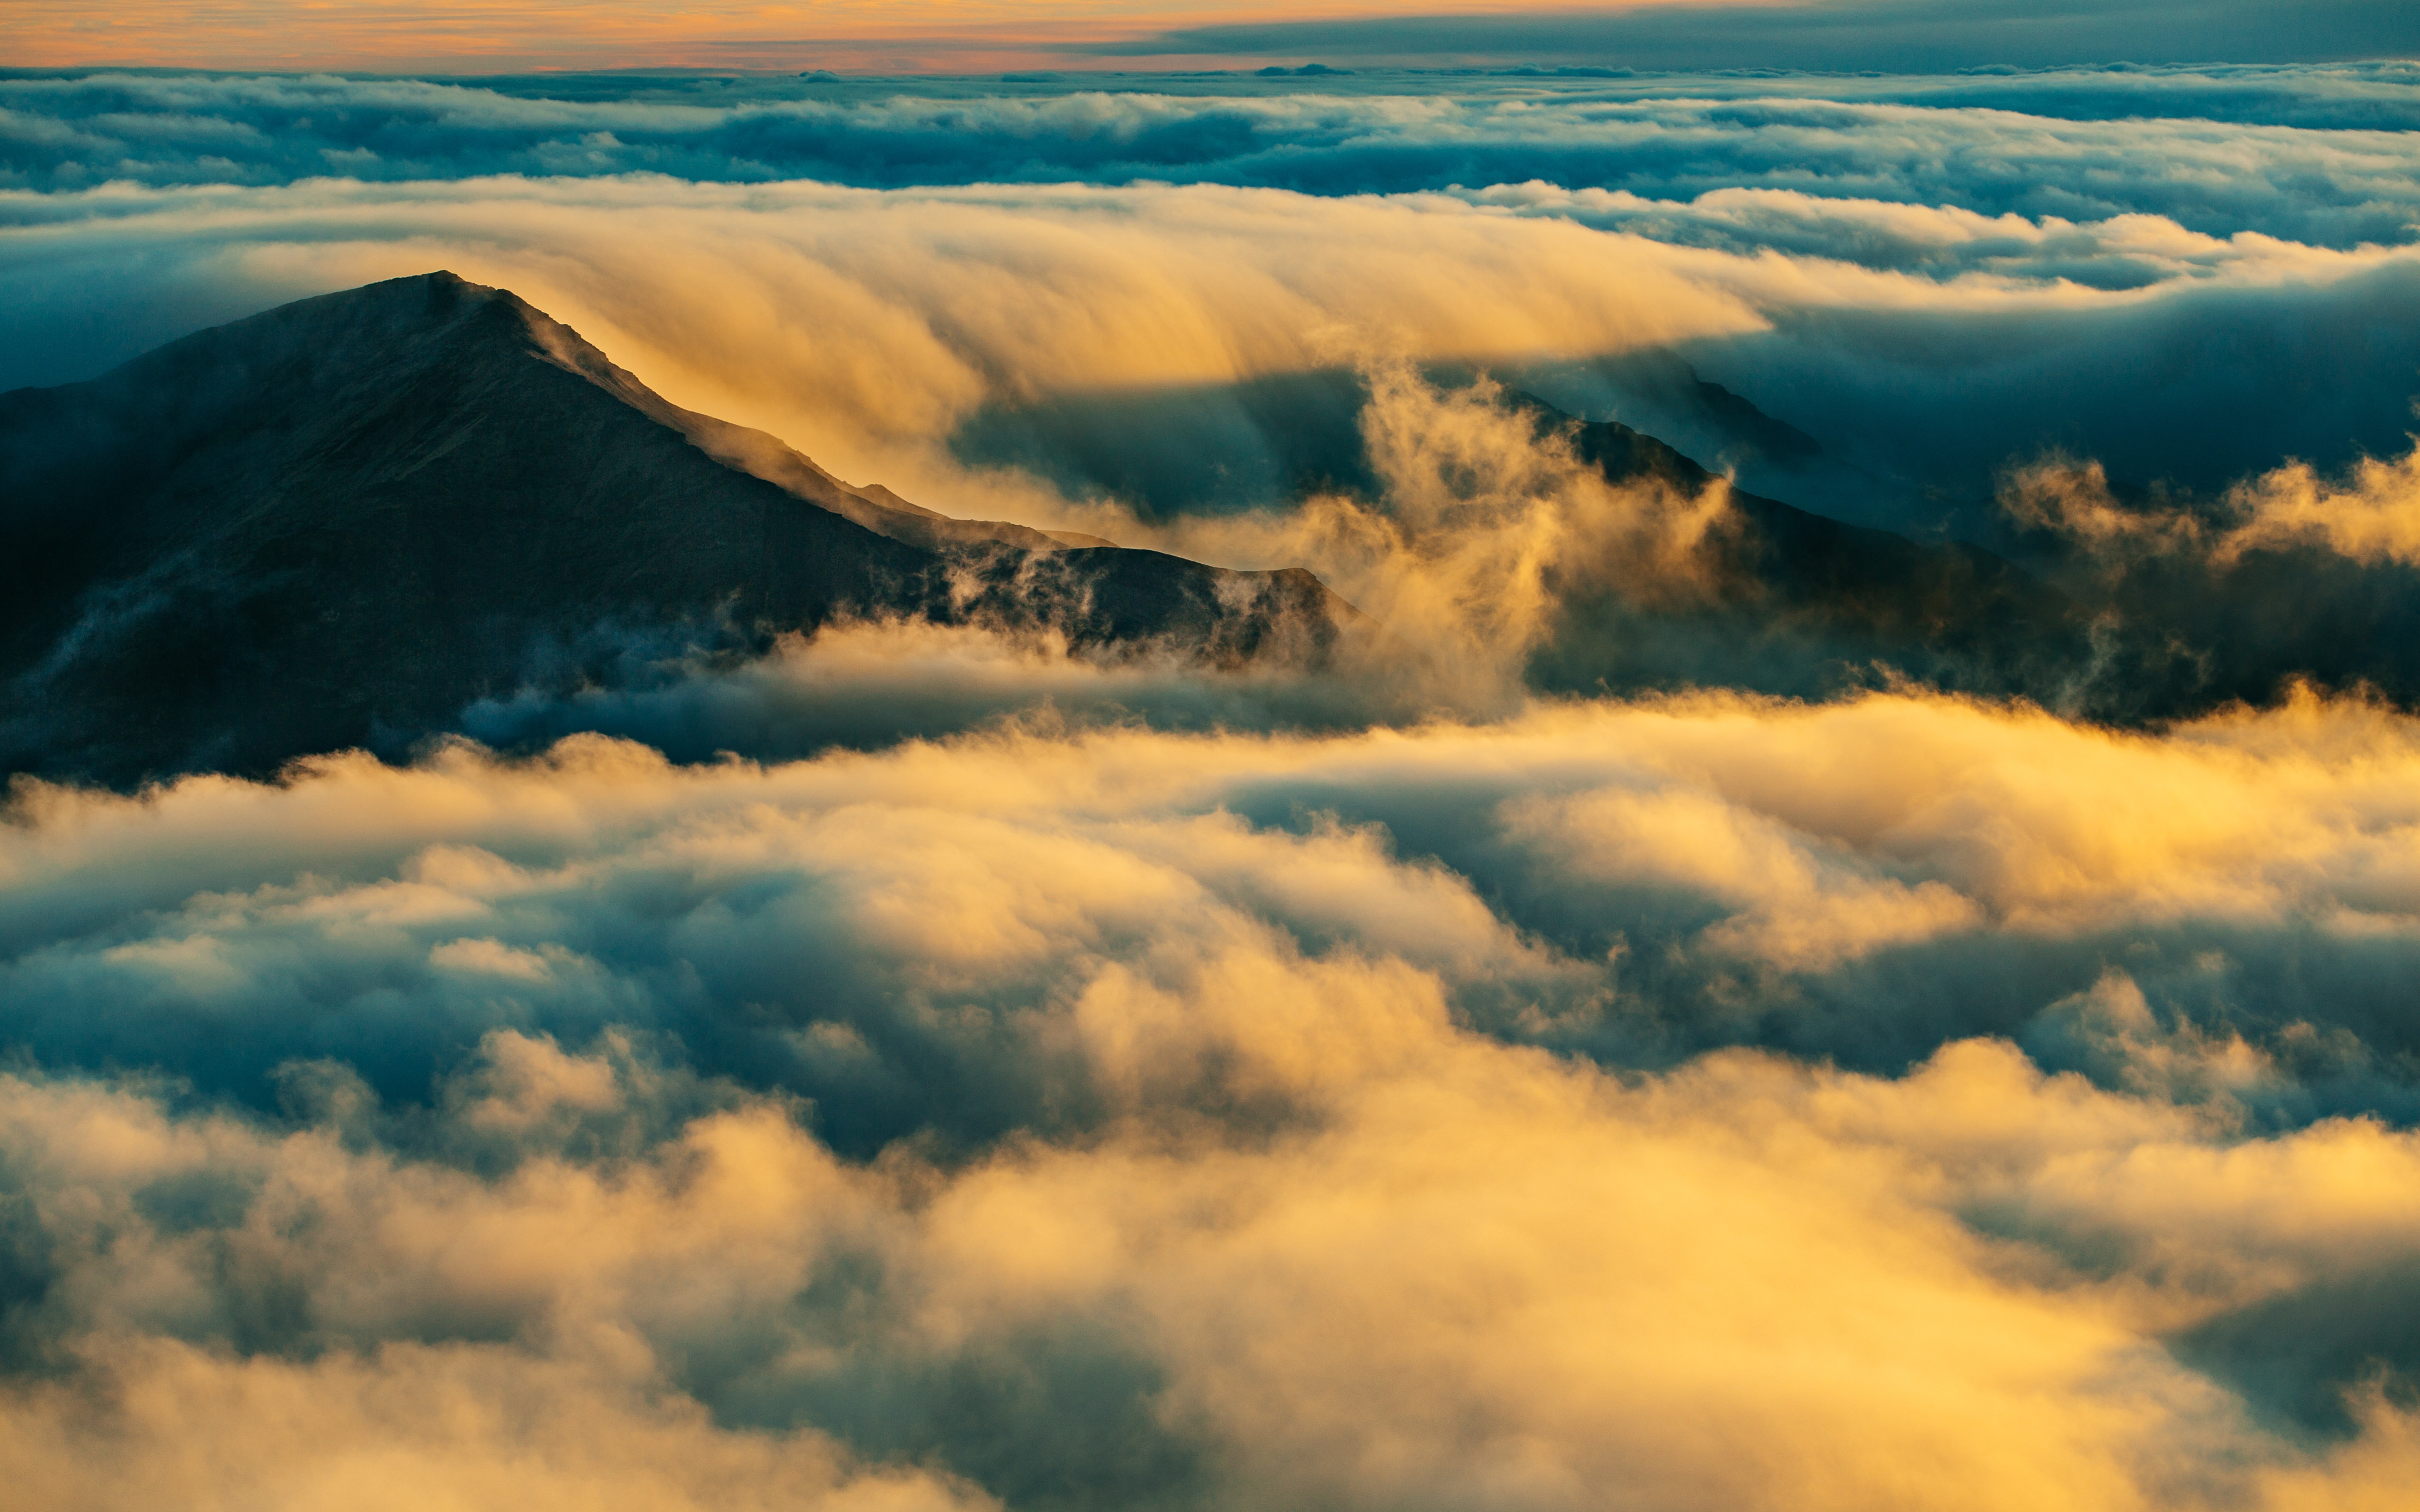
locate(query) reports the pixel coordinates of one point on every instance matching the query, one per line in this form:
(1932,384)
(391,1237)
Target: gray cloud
(1892,35)
(2316,154)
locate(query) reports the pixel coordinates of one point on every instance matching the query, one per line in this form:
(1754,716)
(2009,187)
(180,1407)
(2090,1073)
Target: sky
(868,36)
(925,1068)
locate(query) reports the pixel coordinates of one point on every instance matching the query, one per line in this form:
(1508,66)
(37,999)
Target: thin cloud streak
(492,36)
(1891,36)
(1894,35)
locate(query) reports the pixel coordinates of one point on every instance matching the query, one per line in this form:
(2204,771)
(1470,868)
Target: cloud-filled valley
(1282,1026)
(1709,797)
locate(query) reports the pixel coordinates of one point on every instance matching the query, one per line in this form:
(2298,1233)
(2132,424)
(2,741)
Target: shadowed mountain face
(1780,600)
(336,523)
(345,521)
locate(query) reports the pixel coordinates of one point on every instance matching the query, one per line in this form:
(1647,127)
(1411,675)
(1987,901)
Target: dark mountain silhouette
(345,521)
(1797,603)
(1782,600)
(336,523)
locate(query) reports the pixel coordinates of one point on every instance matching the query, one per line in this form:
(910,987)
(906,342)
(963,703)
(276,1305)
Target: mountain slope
(337,522)
(1781,600)
(1802,604)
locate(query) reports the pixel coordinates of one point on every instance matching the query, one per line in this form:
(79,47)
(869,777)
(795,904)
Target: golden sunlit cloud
(1367,1249)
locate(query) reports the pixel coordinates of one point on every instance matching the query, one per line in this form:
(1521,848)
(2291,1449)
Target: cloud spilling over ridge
(891,315)
(873,329)
(1217,1153)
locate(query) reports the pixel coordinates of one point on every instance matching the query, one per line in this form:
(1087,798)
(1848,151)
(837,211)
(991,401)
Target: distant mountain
(1786,601)
(338,522)
(1797,603)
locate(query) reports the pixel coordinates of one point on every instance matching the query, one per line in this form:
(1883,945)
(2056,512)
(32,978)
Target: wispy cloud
(1902,36)
(1891,36)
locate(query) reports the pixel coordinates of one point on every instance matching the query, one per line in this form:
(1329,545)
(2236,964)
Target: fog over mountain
(337,523)
(361,521)
(1552,791)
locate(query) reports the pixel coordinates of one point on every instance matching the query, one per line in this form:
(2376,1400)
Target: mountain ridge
(345,521)
(339,521)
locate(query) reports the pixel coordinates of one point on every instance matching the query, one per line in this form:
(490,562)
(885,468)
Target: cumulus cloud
(2370,515)
(1096,1115)
(896,934)
(2258,577)
(1472,1268)
(1482,524)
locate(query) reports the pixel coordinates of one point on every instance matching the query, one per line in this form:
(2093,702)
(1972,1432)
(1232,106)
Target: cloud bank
(2315,154)
(1891,36)
(932,338)
(1252,1117)
(2188,274)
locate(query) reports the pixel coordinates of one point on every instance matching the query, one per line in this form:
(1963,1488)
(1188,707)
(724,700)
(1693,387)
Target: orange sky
(475,36)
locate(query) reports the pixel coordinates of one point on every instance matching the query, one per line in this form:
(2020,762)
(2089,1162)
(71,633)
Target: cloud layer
(2315,154)
(906,336)
(2188,274)
(1223,1157)
(1894,36)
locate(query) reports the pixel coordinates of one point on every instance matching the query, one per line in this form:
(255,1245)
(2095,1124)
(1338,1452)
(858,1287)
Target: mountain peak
(341,521)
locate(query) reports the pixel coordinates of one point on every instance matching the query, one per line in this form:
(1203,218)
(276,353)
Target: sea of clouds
(2189,274)
(921,1070)
(1945,1101)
